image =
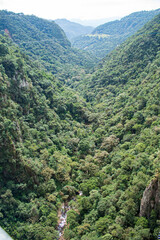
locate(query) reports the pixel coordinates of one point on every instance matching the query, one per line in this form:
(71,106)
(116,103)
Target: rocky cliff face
(151,199)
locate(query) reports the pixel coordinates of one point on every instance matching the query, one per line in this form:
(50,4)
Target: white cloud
(1,3)
(84,9)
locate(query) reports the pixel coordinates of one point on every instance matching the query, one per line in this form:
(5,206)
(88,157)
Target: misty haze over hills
(73,29)
(77,27)
(104,38)
(108,36)
(94,22)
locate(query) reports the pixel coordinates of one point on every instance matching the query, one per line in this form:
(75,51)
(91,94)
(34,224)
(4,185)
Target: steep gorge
(100,136)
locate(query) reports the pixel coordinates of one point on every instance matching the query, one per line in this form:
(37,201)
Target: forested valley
(78,132)
(106,37)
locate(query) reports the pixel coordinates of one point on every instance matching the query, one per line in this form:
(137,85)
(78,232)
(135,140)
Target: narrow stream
(63,217)
(62,220)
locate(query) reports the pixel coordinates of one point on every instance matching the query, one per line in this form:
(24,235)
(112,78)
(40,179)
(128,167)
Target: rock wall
(151,199)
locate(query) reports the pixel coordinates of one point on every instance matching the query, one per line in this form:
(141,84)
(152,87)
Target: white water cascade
(63,217)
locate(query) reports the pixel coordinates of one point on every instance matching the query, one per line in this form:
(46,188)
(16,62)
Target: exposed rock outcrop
(151,199)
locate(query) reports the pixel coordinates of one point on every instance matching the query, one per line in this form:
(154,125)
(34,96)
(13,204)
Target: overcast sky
(83,9)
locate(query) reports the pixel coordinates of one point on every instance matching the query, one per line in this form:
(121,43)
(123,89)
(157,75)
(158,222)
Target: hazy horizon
(92,22)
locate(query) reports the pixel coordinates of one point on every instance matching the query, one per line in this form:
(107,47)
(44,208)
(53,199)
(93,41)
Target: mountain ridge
(73,29)
(43,40)
(116,32)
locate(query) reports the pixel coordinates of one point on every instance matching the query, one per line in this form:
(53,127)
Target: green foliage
(46,42)
(108,36)
(72,218)
(103,141)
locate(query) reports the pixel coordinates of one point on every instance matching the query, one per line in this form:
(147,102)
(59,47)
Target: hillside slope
(73,29)
(44,41)
(108,36)
(40,129)
(125,94)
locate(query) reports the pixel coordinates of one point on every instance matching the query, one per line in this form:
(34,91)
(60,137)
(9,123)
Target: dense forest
(88,139)
(45,42)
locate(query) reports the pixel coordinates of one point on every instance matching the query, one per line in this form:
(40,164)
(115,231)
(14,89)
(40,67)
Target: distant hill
(73,29)
(127,25)
(44,41)
(108,36)
(94,22)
